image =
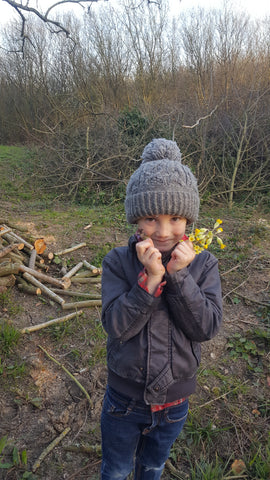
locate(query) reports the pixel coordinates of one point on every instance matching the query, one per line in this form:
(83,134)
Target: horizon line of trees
(131,74)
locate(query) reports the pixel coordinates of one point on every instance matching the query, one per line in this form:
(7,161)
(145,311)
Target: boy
(160,300)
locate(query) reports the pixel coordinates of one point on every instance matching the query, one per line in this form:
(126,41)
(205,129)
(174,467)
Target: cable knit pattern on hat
(162,185)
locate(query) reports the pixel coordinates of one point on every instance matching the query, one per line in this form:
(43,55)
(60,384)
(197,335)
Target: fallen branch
(71,249)
(45,278)
(73,271)
(44,289)
(70,375)
(9,249)
(19,239)
(87,274)
(84,449)
(12,268)
(34,328)
(4,229)
(8,281)
(91,267)
(48,449)
(83,304)
(71,293)
(27,288)
(86,279)
(32,259)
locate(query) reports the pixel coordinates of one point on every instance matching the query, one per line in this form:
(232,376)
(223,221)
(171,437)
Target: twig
(201,118)
(70,374)
(233,290)
(220,396)
(173,470)
(253,301)
(34,328)
(86,467)
(48,449)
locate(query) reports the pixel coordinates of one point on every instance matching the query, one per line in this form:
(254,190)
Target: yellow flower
(218,222)
(203,237)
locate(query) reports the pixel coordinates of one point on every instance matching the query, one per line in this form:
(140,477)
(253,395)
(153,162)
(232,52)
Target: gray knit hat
(162,185)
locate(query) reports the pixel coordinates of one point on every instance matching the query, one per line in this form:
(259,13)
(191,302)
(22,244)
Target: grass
(230,412)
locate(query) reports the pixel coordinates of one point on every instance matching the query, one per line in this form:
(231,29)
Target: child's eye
(176,219)
(150,219)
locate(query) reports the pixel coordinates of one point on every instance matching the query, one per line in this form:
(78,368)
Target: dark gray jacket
(153,348)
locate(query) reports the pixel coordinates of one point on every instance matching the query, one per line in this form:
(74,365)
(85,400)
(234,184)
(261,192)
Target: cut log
(45,278)
(8,281)
(86,279)
(32,259)
(19,239)
(12,268)
(71,249)
(9,249)
(4,229)
(83,304)
(86,274)
(70,293)
(73,271)
(91,267)
(34,328)
(30,289)
(3,289)
(44,289)
(40,245)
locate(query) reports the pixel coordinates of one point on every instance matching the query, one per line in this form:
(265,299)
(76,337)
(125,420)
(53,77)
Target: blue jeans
(134,437)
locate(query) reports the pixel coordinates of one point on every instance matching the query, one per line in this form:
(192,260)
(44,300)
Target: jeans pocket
(115,406)
(177,414)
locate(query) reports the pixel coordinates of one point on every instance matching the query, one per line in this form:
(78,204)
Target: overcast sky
(256,8)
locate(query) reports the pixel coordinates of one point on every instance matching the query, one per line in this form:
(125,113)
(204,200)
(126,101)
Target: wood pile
(26,263)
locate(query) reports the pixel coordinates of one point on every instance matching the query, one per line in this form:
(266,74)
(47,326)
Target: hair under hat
(162,185)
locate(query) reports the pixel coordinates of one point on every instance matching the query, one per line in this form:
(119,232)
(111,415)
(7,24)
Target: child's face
(164,230)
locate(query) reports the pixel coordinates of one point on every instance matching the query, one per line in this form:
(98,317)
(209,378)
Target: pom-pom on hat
(162,185)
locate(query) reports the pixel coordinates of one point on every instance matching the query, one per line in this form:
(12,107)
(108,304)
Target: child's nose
(163,230)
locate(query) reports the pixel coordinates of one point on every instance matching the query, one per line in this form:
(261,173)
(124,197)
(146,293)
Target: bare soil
(37,405)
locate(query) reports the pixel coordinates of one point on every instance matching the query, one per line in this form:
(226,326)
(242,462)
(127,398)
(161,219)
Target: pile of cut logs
(27,263)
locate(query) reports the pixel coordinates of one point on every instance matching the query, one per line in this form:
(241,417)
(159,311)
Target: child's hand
(181,257)
(150,257)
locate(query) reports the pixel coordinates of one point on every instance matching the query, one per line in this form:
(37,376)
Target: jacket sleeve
(126,308)
(194,298)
